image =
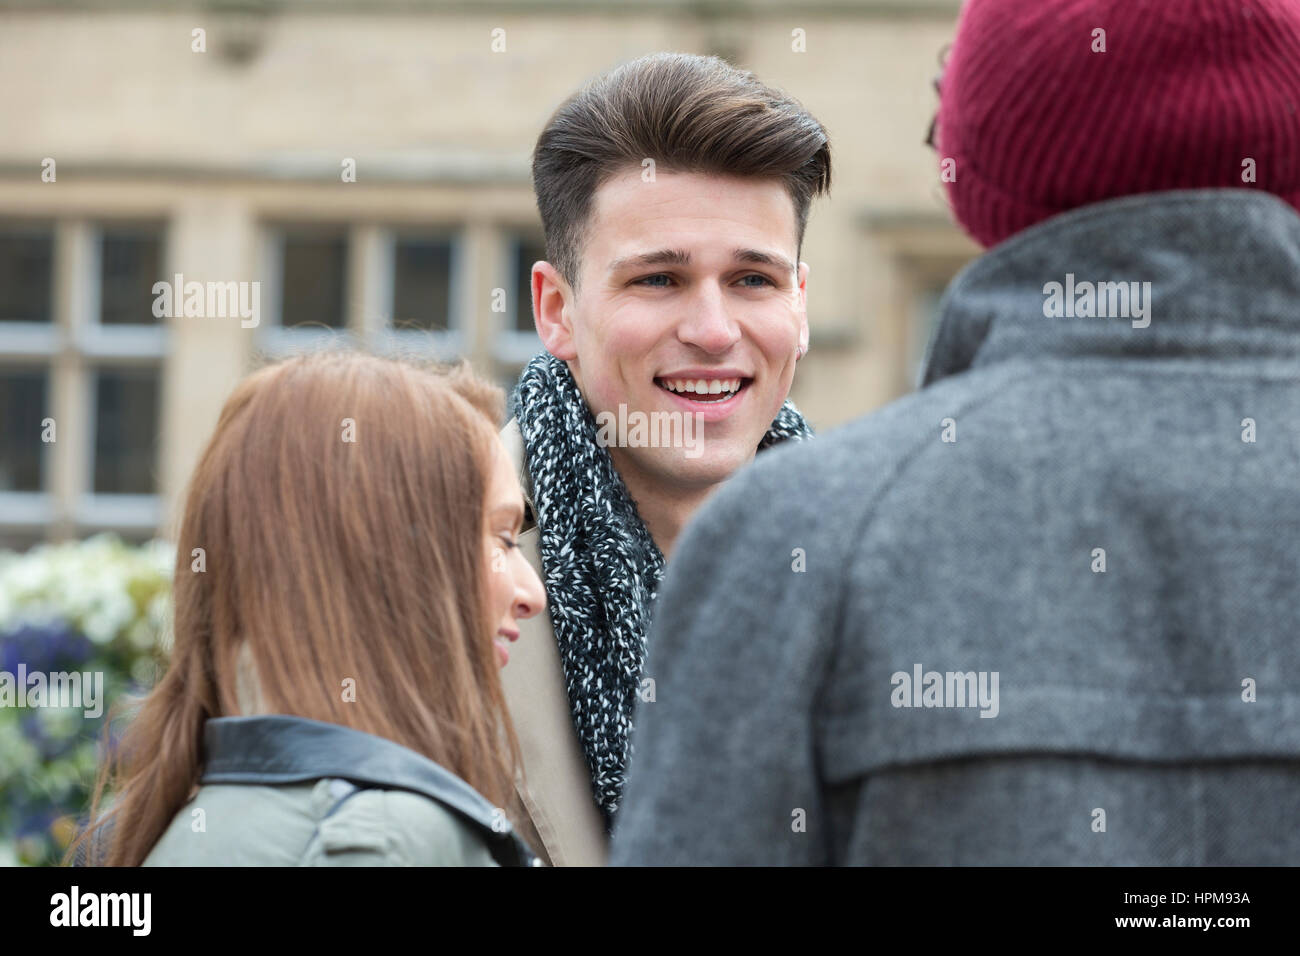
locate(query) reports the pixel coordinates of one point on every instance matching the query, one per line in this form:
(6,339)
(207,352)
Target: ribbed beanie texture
(1185,93)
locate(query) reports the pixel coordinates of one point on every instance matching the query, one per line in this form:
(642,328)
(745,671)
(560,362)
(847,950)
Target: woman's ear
(552,311)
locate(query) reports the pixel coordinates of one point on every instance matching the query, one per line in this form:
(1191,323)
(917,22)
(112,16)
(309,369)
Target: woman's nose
(530,596)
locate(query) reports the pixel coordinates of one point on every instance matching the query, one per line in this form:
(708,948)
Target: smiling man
(674,192)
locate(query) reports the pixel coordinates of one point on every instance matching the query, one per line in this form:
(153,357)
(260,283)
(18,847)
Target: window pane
(16,539)
(529,252)
(130,262)
(313,281)
(23,405)
(26,273)
(126,430)
(421,284)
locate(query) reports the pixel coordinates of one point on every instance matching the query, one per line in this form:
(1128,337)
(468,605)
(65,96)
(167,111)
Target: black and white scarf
(602,568)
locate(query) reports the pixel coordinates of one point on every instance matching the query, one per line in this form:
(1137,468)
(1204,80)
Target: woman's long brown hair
(334,560)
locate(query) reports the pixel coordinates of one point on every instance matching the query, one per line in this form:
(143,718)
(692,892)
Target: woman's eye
(509,542)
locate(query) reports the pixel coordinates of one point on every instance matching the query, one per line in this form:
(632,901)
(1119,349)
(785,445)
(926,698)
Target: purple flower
(44,648)
(36,821)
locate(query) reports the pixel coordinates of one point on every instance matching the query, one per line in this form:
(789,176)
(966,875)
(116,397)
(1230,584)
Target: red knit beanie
(1187,94)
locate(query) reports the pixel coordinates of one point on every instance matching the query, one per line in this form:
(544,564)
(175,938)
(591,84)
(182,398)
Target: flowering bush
(94,606)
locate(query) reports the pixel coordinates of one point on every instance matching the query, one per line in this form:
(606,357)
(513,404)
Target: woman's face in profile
(515,591)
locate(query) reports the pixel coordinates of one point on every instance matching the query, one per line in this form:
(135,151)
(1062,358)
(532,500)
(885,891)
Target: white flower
(92,585)
(160,557)
(154,629)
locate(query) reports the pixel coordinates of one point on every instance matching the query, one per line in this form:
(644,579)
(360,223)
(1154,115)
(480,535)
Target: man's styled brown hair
(695,114)
(340,504)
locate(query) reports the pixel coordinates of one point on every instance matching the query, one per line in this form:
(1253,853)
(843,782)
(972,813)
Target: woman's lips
(503,649)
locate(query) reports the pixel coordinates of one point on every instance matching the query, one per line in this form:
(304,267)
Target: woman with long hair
(346,587)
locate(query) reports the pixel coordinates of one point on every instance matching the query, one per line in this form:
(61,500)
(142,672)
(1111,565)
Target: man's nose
(706,324)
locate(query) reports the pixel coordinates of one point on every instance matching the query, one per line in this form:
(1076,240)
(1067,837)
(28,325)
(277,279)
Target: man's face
(685,280)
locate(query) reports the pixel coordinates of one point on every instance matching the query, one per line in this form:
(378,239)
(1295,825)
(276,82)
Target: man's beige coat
(556,812)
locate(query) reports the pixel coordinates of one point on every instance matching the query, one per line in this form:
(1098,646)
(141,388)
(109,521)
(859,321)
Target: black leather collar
(279,748)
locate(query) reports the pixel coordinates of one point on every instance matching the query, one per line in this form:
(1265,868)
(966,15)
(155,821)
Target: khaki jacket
(279,790)
(316,823)
(557,813)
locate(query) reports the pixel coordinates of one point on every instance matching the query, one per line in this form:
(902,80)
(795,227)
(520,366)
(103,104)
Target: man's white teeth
(701,386)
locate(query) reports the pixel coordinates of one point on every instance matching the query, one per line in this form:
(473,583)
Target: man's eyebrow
(680,257)
(763,258)
(660,257)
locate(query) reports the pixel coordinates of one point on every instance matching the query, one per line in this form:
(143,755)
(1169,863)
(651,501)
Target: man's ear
(552,312)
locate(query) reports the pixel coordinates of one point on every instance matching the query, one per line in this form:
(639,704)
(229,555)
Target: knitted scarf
(602,568)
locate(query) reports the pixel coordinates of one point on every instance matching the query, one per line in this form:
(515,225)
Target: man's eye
(653,282)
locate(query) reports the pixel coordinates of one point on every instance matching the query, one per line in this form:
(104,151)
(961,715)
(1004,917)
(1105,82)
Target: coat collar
(1223,267)
(555,792)
(279,749)
(513,439)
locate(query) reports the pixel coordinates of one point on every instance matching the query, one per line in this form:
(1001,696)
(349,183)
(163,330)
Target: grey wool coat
(1042,611)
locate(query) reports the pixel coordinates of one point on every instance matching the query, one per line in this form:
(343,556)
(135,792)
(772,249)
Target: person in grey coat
(1043,611)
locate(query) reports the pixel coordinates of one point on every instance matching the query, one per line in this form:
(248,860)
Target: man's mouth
(704,390)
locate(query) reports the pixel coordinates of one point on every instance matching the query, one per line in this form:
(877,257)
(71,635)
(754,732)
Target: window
(526,252)
(389,289)
(14,539)
(126,422)
(24,404)
(130,262)
(516,339)
(422,283)
(26,273)
(80,378)
(917,253)
(314,280)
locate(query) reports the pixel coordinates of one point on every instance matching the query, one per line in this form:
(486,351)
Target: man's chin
(709,463)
